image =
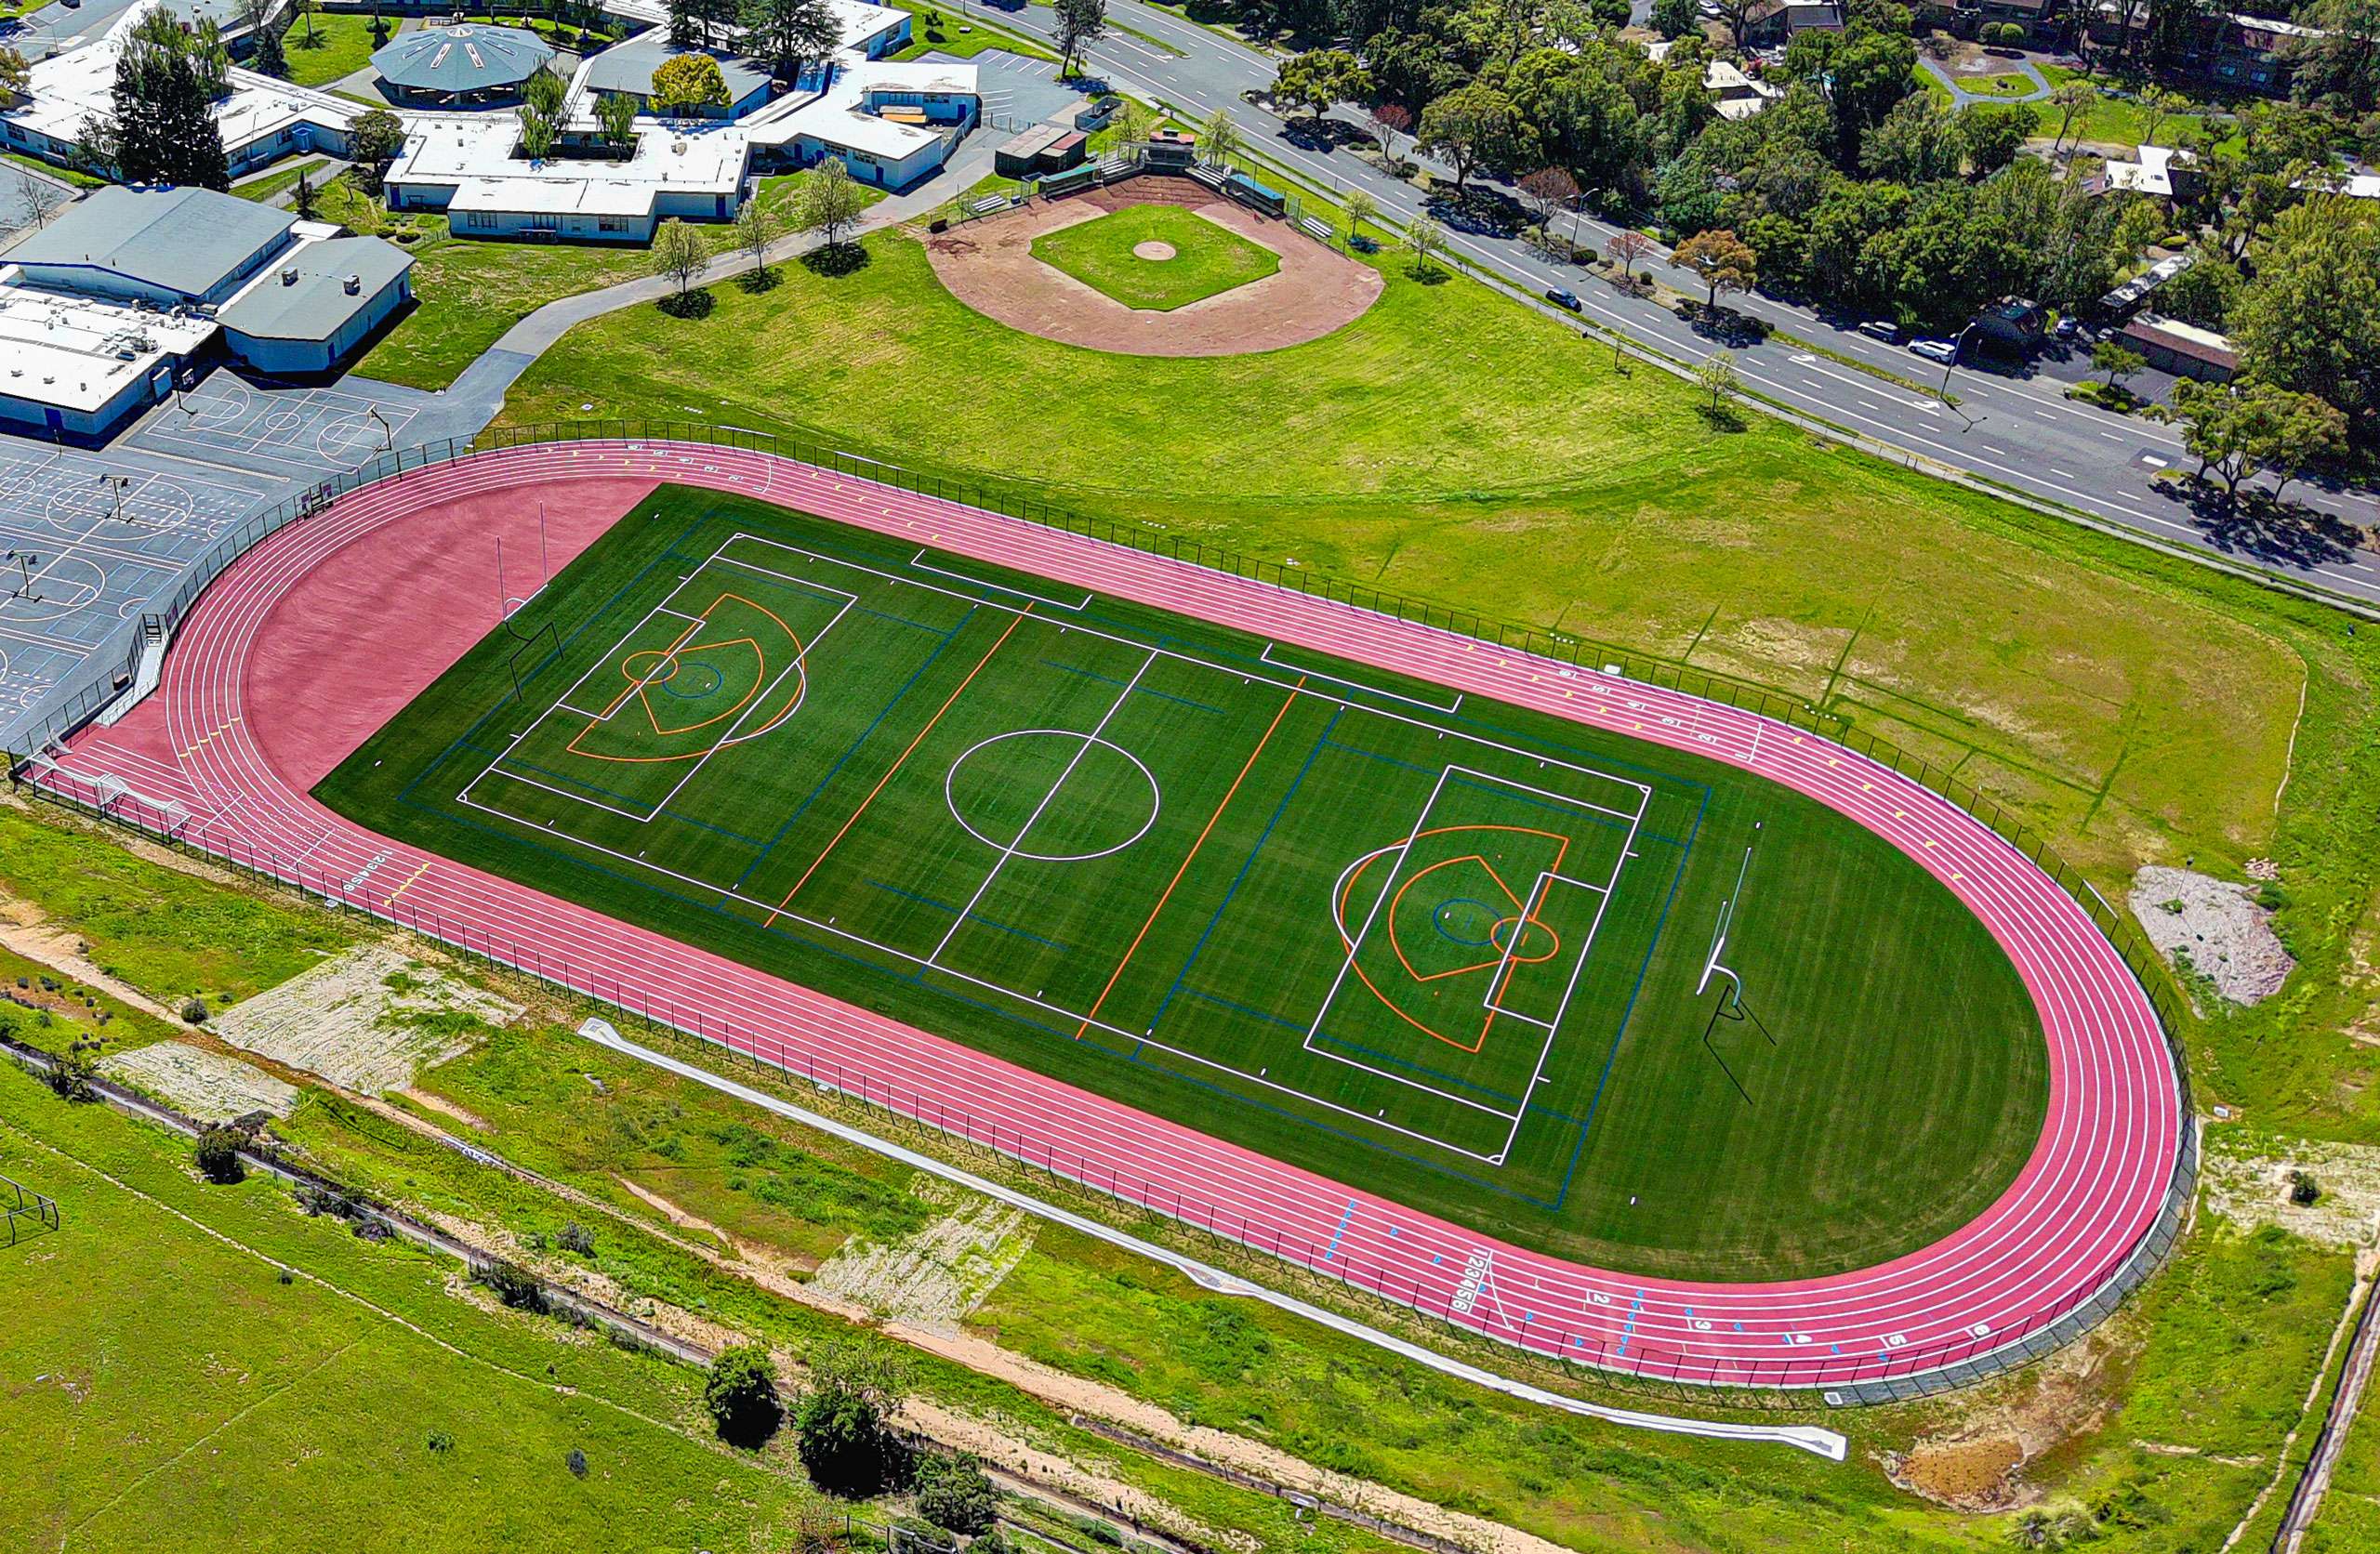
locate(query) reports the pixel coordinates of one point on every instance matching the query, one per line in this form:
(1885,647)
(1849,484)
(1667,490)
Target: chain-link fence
(1892,1375)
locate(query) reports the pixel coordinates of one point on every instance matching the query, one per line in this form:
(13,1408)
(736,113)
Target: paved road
(2010,427)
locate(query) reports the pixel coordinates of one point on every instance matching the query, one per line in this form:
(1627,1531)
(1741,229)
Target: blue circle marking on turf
(1465,919)
(688,670)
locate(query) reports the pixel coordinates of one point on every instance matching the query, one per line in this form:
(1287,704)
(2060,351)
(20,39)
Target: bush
(70,1076)
(440,1441)
(955,1494)
(2304,1190)
(574,1238)
(513,1284)
(218,1155)
(741,1396)
(195,1012)
(577,1463)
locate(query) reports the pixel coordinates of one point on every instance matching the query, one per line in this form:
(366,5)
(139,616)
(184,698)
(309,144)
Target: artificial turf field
(1440,948)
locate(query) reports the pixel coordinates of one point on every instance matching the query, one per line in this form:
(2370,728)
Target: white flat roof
(65,349)
(838,116)
(68,91)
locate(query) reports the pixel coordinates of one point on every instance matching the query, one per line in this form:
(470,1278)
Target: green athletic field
(1206,258)
(864,768)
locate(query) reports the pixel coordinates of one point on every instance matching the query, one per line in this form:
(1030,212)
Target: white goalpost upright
(1712,966)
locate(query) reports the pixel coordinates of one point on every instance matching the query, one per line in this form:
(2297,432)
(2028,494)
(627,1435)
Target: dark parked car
(1561,299)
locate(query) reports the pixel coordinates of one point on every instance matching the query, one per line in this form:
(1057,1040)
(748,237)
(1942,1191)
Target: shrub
(440,1441)
(195,1012)
(513,1284)
(574,1238)
(218,1155)
(2304,1190)
(955,1494)
(70,1077)
(577,1463)
(741,1396)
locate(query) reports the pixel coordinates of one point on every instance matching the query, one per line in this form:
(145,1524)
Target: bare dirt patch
(26,931)
(934,1276)
(1974,1461)
(364,1020)
(989,266)
(2248,1180)
(208,1086)
(2217,927)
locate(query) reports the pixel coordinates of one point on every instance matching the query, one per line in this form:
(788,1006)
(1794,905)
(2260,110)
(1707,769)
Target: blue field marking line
(1320,743)
(853,749)
(974,916)
(1423,1068)
(503,765)
(1628,1011)
(1138,689)
(1332,1250)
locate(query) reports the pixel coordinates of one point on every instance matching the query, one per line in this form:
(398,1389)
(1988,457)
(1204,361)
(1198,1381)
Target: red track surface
(308,642)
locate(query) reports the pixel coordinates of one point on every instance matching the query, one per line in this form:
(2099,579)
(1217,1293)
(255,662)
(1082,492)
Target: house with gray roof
(459,66)
(322,301)
(168,247)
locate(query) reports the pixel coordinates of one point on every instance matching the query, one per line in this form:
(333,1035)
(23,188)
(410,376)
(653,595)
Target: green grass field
(1205,258)
(773,736)
(323,48)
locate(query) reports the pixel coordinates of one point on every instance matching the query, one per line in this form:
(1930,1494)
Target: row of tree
(786,34)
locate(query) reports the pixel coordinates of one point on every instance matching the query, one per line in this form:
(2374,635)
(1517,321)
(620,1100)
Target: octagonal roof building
(449,66)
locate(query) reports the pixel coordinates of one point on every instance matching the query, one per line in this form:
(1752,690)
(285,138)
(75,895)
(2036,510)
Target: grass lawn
(2115,120)
(73,176)
(937,30)
(469,291)
(340,45)
(179,1394)
(1997,85)
(1203,259)
(1168,911)
(267,185)
(171,935)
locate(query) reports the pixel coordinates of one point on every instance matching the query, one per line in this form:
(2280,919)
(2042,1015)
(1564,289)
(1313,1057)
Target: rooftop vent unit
(354,284)
(289,275)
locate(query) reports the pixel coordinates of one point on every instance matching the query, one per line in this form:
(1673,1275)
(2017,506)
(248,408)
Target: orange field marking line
(639,688)
(1348,889)
(1513,960)
(1016,620)
(1246,767)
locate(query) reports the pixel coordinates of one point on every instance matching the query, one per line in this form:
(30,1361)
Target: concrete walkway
(477,397)
(1960,97)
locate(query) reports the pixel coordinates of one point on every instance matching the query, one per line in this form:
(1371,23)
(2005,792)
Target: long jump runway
(243,725)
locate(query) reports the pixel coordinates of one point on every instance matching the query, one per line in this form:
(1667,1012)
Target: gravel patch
(2217,925)
(937,1274)
(364,1020)
(207,1086)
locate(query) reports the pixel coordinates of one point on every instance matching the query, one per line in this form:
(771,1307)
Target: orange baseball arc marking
(1339,915)
(639,686)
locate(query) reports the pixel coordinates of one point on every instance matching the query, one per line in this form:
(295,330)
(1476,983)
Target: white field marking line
(1210,666)
(920,561)
(1627,850)
(799,665)
(1035,818)
(1528,915)
(1029,1000)
(1266,656)
(950,800)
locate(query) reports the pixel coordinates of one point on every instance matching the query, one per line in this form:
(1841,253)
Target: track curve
(2076,1213)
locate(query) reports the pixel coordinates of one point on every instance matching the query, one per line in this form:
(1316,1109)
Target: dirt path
(25,931)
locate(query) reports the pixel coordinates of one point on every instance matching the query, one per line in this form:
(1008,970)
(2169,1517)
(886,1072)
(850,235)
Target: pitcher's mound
(1154,251)
(988,264)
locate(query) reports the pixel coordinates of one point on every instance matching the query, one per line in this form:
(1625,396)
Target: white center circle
(950,799)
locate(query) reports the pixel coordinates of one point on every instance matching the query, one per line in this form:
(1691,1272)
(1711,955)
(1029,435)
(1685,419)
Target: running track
(2076,1213)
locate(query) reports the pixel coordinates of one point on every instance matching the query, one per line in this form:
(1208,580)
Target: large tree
(164,124)
(790,35)
(1080,24)
(685,81)
(1722,261)
(702,24)
(2238,430)
(1474,127)
(2310,319)
(1319,79)
(829,203)
(373,141)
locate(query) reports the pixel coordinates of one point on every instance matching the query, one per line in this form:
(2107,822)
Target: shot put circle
(1153,250)
(950,796)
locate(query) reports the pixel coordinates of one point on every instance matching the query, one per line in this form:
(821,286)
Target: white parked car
(1941,351)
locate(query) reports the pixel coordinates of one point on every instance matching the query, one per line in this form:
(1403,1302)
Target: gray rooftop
(629,67)
(182,240)
(317,303)
(460,60)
